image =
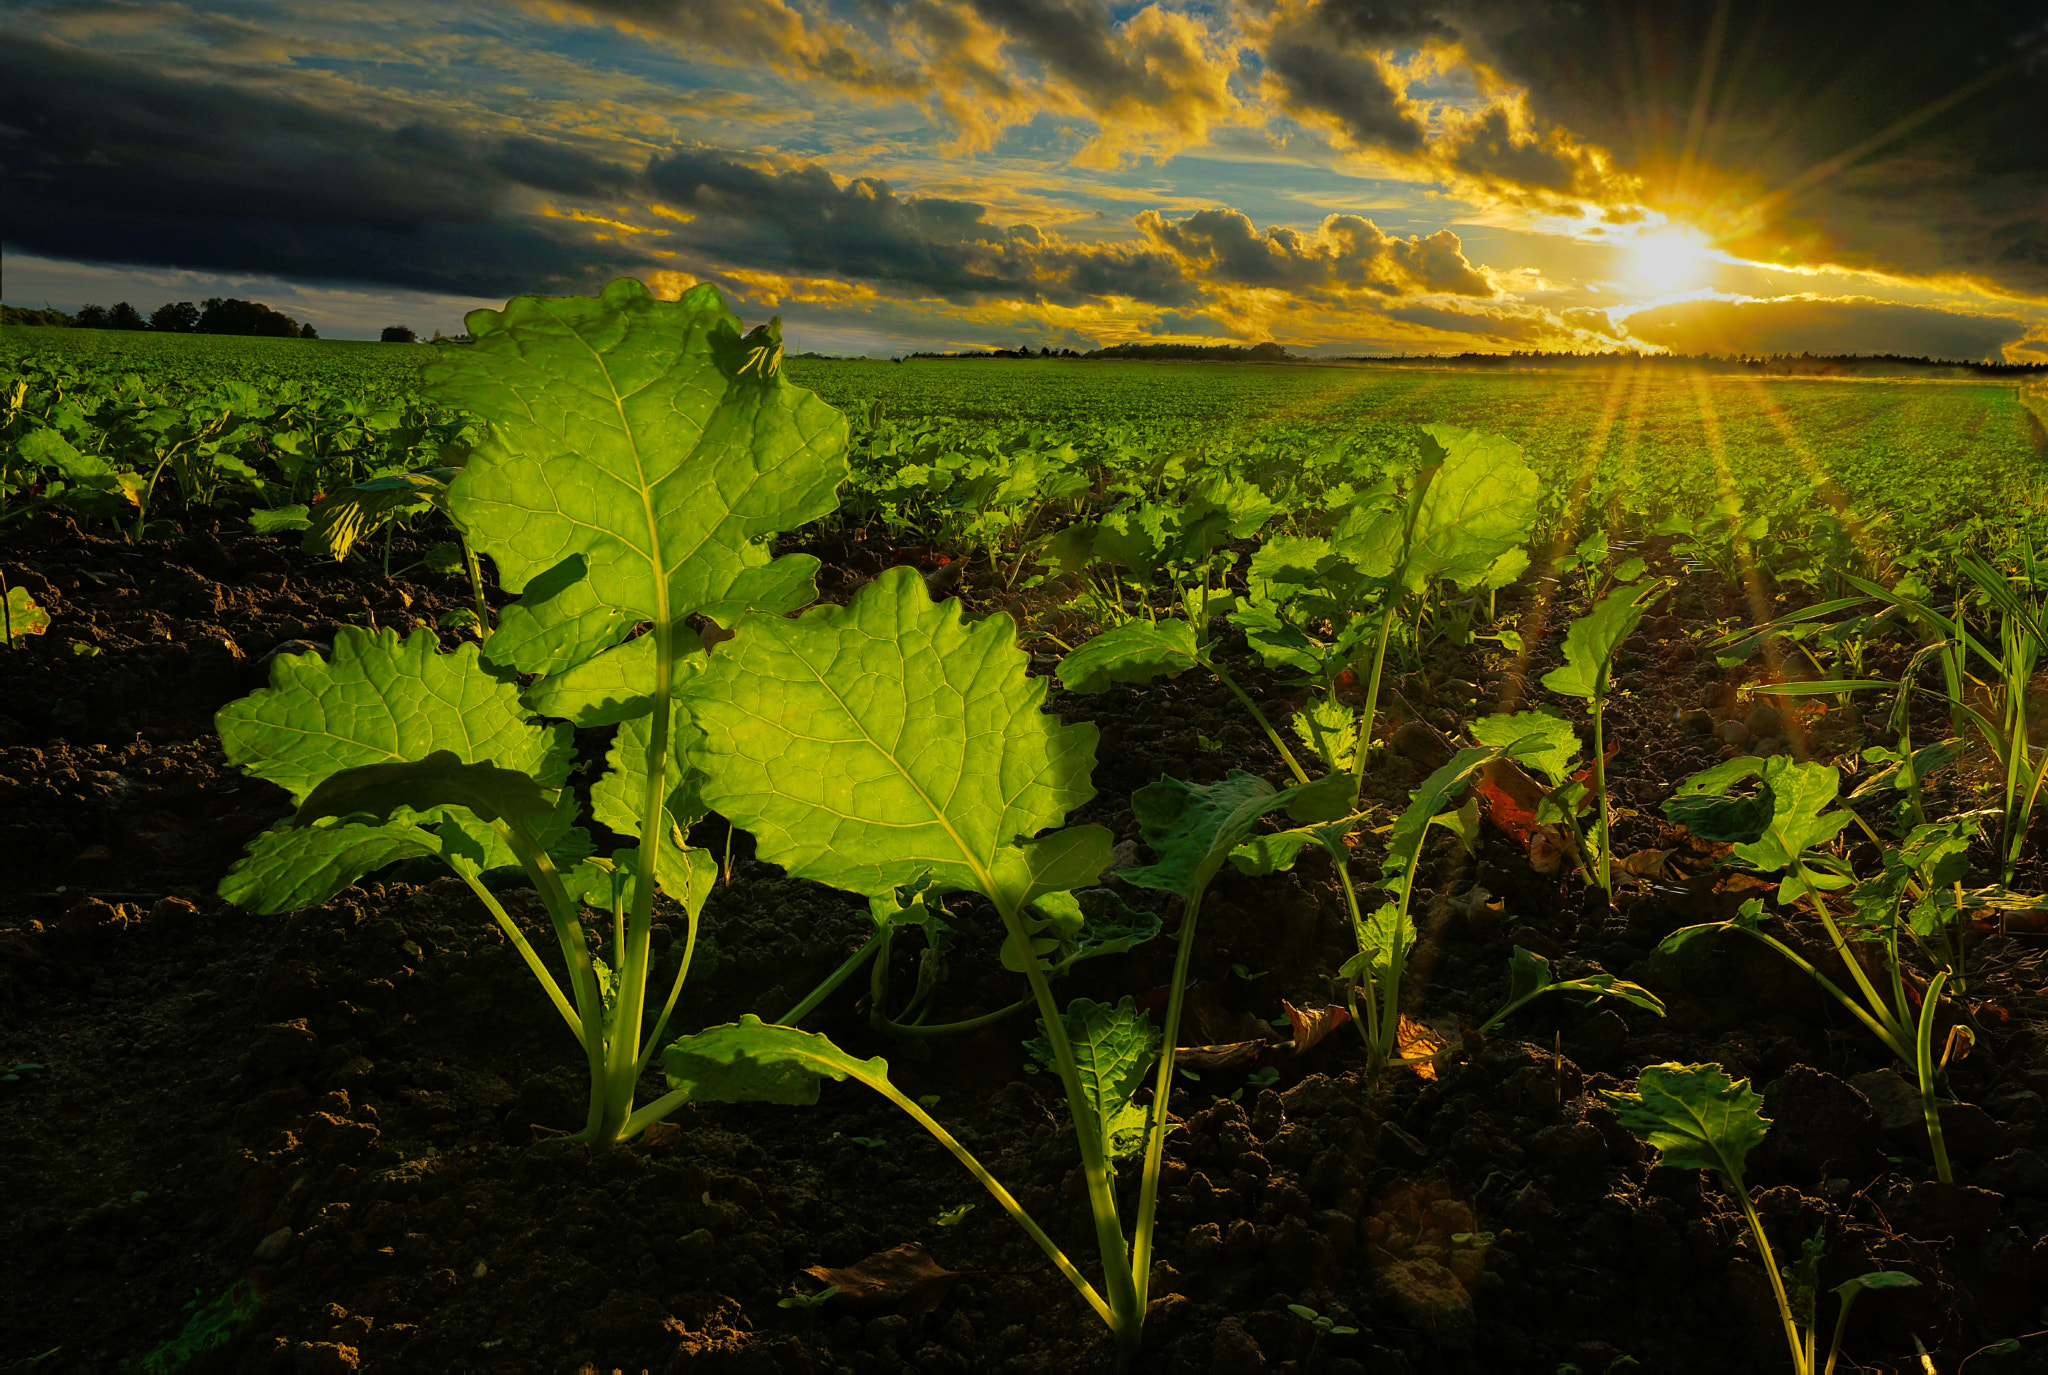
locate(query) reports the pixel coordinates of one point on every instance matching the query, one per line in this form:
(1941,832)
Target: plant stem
(1923,1060)
(1126,1316)
(1162,1098)
(1372,695)
(1293,764)
(468,874)
(837,977)
(1604,862)
(1802,1359)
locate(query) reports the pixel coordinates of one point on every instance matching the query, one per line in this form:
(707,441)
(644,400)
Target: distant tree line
(216,315)
(1268,352)
(1769,365)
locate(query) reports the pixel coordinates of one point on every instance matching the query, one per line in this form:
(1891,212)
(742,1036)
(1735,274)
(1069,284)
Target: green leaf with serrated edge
(1135,652)
(24,617)
(278,521)
(1541,740)
(1290,560)
(874,744)
(1591,641)
(1061,911)
(1112,928)
(1072,858)
(289,867)
(750,1061)
(1193,827)
(1503,571)
(380,700)
(617,795)
(612,686)
(558,622)
(685,874)
(420,786)
(1800,794)
(1386,930)
(1479,505)
(1412,826)
(1695,1117)
(1331,730)
(1113,1047)
(644,435)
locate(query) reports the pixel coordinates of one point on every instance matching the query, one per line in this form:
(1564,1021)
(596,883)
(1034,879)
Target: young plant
(1317,602)
(639,454)
(889,746)
(1698,1119)
(1780,829)
(1589,649)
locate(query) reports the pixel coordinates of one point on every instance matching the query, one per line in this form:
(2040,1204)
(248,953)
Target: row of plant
(635,465)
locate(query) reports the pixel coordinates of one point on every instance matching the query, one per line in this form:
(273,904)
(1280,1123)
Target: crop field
(608,846)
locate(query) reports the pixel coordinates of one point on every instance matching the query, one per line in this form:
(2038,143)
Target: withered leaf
(1313,1025)
(1236,1055)
(900,1279)
(1414,1041)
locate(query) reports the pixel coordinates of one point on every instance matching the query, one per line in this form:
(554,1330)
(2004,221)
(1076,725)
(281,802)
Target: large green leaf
(752,1061)
(1545,742)
(1135,652)
(644,435)
(380,700)
(867,746)
(1479,505)
(1702,804)
(613,686)
(289,867)
(1800,795)
(1113,1047)
(1695,1116)
(1590,643)
(439,780)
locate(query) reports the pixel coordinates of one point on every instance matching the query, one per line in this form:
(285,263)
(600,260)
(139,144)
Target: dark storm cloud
(1872,132)
(802,220)
(1345,87)
(109,161)
(1073,39)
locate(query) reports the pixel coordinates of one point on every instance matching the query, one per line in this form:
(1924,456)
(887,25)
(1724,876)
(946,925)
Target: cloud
(803,221)
(1825,325)
(112,161)
(765,31)
(1346,255)
(1349,91)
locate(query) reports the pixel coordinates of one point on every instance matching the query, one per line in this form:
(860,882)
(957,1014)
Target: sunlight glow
(1669,260)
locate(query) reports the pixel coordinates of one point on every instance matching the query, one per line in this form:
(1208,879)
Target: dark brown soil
(350,1116)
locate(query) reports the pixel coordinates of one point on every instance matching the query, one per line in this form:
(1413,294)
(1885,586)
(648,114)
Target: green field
(1911,459)
(1934,453)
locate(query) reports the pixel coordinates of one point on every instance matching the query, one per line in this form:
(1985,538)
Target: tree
(92,317)
(306,331)
(175,317)
(231,316)
(121,315)
(398,334)
(23,315)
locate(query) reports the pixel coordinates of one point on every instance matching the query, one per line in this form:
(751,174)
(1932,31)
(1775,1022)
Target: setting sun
(1670,260)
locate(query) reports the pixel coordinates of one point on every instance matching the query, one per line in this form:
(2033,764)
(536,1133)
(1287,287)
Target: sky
(1342,176)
